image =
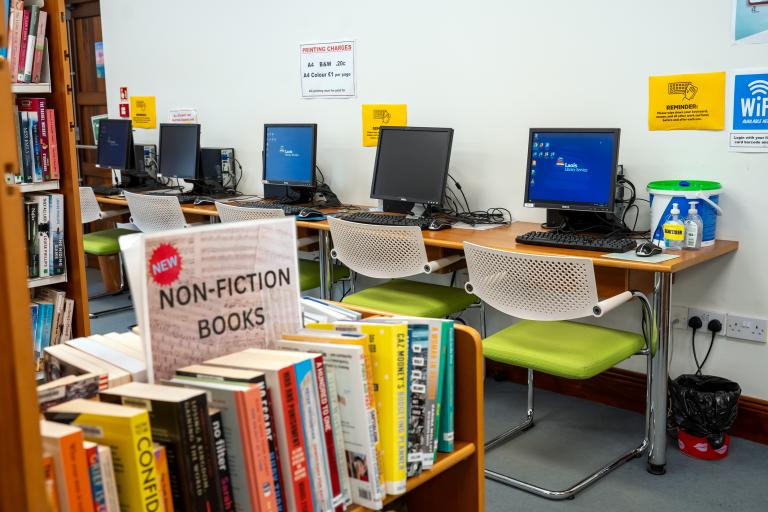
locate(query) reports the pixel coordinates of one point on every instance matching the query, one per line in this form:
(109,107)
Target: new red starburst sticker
(165,264)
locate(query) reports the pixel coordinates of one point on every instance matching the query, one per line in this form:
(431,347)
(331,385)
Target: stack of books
(26,40)
(52,315)
(44,217)
(36,141)
(338,413)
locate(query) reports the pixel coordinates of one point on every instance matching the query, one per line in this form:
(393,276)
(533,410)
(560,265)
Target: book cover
(53,148)
(94,474)
(26,75)
(43,243)
(346,368)
(207,291)
(37,64)
(136,368)
(283,393)
(56,234)
(22,58)
(57,298)
(338,438)
(27,149)
(389,353)
(179,421)
(62,360)
(49,475)
(65,444)
(36,107)
(445,420)
(19,178)
(34,310)
(33,256)
(14,29)
(68,388)
(66,326)
(34,134)
(164,477)
(108,477)
(222,466)
(46,323)
(126,430)
(418,353)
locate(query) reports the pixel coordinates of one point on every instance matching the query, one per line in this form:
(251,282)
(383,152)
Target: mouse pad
(631,256)
(311,218)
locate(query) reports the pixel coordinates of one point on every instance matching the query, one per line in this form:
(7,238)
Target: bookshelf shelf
(39,187)
(45,281)
(43,88)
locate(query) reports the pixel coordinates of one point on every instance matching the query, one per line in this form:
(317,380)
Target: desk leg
(657,456)
(325,264)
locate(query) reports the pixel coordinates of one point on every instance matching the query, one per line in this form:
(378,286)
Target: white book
(137,368)
(108,478)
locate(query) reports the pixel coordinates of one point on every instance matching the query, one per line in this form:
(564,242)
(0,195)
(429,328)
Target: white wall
(490,69)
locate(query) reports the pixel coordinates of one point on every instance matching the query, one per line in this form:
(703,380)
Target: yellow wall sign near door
(687,102)
(143,113)
(375,116)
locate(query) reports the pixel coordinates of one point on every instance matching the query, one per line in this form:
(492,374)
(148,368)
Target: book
(283,393)
(95,348)
(94,474)
(14,36)
(179,421)
(249,458)
(25,70)
(66,324)
(164,477)
(338,438)
(27,150)
(222,465)
(445,416)
(65,444)
(49,476)
(418,353)
(45,316)
(53,147)
(34,310)
(68,388)
(347,370)
(34,135)
(108,477)
(56,234)
(22,57)
(389,353)
(126,430)
(38,112)
(43,240)
(33,256)
(37,65)
(62,360)
(57,298)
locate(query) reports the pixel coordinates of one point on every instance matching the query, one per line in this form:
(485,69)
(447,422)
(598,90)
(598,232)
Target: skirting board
(625,389)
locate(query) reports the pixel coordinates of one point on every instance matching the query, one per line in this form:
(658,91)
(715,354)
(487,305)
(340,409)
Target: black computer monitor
(290,152)
(572,168)
(115,144)
(411,166)
(179,150)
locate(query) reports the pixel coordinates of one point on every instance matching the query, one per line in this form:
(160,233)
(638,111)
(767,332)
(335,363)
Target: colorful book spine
(37,65)
(222,465)
(94,472)
(108,477)
(35,312)
(33,255)
(56,234)
(418,352)
(22,58)
(434,390)
(34,134)
(269,429)
(14,37)
(164,477)
(65,444)
(338,438)
(27,149)
(53,147)
(39,116)
(49,476)
(445,418)
(25,70)
(46,323)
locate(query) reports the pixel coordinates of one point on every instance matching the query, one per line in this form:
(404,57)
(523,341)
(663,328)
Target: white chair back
(230,213)
(530,286)
(90,210)
(152,213)
(378,251)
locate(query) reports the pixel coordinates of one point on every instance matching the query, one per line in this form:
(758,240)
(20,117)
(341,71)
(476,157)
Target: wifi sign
(750,102)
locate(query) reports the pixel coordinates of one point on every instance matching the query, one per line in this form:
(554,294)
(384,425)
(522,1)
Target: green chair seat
(413,298)
(309,274)
(104,243)
(566,349)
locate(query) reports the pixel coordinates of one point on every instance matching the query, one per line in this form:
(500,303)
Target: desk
(504,238)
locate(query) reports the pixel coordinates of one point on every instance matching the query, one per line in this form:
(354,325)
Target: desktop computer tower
(145,157)
(216,164)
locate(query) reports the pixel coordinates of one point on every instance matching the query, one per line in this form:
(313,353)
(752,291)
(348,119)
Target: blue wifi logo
(750,102)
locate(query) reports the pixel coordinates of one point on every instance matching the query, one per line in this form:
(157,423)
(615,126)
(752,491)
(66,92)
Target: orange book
(73,485)
(49,474)
(164,477)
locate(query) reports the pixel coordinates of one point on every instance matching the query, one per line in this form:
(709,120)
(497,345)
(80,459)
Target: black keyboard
(395,220)
(576,241)
(106,191)
(288,209)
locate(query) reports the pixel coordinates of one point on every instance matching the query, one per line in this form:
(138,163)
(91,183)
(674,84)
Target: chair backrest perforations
(153,213)
(89,207)
(230,213)
(530,286)
(379,251)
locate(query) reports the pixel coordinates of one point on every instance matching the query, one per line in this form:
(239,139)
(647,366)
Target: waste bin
(703,410)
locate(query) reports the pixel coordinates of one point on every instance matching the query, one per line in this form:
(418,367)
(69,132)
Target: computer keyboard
(396,220)
(576,241)
(103,190)
(288,209)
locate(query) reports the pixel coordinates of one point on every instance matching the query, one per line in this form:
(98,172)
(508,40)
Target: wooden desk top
(503,237)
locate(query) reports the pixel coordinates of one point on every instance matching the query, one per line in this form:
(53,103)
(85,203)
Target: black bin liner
(704,406)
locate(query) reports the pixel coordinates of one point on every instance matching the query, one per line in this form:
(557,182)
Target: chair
(104,245)
(309,271)
(546,292)
(153,213)
(395,252)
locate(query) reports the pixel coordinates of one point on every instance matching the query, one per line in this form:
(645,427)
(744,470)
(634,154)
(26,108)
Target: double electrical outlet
(739,327)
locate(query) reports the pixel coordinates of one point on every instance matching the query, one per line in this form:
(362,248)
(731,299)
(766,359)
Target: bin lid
(683,185)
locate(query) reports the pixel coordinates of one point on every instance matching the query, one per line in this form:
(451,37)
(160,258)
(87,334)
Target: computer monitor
(572,168)
(411,166)
(115,144)
(290,154)
(179,150)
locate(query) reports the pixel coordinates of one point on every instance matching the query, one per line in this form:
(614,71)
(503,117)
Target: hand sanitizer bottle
(674,230)
(693,227)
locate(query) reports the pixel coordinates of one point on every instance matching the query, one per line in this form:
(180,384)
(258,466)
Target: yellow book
(127,432)
(388,348)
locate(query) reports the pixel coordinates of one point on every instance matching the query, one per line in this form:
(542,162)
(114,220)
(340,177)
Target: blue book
(45,311)
(418,354)
(4,15)
(34,308)
(37,176)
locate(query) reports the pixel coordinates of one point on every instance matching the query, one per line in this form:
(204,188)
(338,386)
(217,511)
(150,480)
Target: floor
(571,438)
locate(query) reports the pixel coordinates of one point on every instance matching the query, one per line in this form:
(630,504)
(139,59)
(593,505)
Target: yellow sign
(375,116)
(687,102)
(143,112)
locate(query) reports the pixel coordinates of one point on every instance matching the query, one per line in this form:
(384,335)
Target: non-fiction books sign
(328,69)
(749,111)
(208,291)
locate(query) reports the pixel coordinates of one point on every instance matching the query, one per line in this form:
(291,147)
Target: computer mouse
(309,212)
(437,225)
(647,249)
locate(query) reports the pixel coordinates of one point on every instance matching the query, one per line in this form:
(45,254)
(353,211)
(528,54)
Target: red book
(38,105)
(22,47)
(37,63)
(53,148)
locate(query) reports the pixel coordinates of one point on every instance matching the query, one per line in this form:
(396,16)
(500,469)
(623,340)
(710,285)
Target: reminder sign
(749,117)
(328,69)
(687,102)
(143,113)
(376,116)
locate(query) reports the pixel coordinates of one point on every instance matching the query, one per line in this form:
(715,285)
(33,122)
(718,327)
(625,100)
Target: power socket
(744,328)
(705,317)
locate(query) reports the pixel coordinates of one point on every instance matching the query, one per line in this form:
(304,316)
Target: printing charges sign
(208,291)
(328,69)
(687,102)
(376,116)
(748,123)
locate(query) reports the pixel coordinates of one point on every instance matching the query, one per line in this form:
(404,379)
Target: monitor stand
(594,222)
(390,206)
(285,194)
